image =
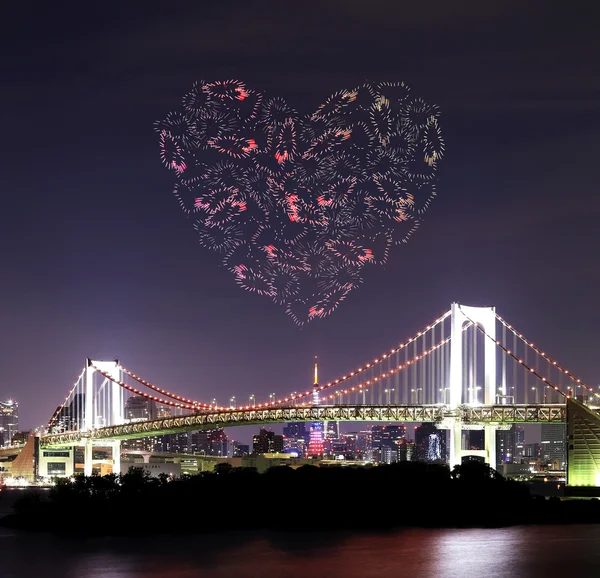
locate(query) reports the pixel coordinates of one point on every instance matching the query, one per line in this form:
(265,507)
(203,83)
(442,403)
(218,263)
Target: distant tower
(316,383)
(315,440)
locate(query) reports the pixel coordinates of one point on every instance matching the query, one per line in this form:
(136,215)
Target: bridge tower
(486,317)
(91,417)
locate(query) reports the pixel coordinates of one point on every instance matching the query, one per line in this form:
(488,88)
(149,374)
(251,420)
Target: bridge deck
(469,415)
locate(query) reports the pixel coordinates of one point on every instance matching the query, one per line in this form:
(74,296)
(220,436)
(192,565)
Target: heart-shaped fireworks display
(298,204)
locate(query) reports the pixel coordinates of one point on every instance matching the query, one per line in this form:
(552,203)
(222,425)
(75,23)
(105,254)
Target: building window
(57,468)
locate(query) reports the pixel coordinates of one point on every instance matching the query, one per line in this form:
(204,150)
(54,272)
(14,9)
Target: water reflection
(521,552)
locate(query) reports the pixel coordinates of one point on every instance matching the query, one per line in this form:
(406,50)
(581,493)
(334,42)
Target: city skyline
(101,263)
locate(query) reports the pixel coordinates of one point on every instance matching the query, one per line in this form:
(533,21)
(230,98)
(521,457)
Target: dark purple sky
(98,260)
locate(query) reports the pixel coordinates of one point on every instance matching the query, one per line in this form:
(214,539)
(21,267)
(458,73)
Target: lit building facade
(56,463)
(295,438)
(553,445)
(510,445)
(9,421)
(384,441)
(212,442)
(178,443)
(267,442)
(238,450)
(139,408)
(430,444)
(364,445)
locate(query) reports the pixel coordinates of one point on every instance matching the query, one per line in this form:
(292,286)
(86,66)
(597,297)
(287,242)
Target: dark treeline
(398,495)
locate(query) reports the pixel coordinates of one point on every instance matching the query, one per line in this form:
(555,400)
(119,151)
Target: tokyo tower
(315,440)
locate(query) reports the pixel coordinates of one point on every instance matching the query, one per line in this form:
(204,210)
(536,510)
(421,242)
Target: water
(520,552)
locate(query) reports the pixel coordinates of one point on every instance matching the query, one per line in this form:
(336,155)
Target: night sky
(99,261)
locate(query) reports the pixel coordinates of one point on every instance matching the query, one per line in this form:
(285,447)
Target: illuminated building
(139,408)
(519,451)
(267,442)
(384,441)
(405,450)
(510,445)
(178,443)
(430,444)
(211,442)
(364,447)
(349,441)
(532,451)
(315,439)
(9,421)
(295,438)
(239,450)
(332,430)
(553,444)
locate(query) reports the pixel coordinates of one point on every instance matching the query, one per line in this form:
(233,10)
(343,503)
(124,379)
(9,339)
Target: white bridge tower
(92,417)
(486,318)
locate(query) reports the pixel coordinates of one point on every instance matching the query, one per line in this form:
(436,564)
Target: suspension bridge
(468,369)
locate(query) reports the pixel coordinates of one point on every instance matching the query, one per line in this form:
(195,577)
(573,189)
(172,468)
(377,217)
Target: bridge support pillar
(88,412)
(489,437)
(116,457)
(87,457)
(455,427)
(455,442)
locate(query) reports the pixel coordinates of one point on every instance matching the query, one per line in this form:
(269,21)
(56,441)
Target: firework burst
(300,205)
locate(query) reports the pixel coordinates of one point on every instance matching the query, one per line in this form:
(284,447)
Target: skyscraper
(385,438)
(519,451)
(294,437)
(9,421)
(553,444)
(505,444)
(332,430)
(139,408)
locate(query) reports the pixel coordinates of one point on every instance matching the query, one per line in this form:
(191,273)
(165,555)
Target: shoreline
(383,499)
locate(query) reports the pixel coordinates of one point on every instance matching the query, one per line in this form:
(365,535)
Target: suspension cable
(520,361)
(164,391)
(143,393)
(62,406)
(548,359)
(357,371)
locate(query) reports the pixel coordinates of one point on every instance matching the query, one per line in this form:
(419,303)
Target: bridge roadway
(468,415)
